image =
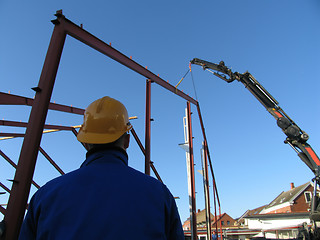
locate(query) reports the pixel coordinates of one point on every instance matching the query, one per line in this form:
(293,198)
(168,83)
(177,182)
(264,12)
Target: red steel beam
(29,151)
(2,210)
(207,186)
(193,191)
(8,135)
(24,124)
(10,99)
(4,187)
(144,152)
(85,145)
(207,150)
(215,190)
(51,161)
(148,128)
(97,44)
(15,166)
(138,141)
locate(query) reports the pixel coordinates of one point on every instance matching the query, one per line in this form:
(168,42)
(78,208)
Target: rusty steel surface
(10,99)
(207,186)
(51,161)
(24,124)
(148,127)
(134,134)
(4,187)
(15,166)
(10,135)
(29,150)
(85,145)
(193,189)
(207,150)
(2,210)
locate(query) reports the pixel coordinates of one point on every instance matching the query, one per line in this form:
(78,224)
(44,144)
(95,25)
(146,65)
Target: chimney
(292,185)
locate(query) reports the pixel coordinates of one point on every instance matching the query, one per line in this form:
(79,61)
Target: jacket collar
(105,152)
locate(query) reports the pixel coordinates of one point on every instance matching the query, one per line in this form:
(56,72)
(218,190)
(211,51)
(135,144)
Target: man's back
(104,199)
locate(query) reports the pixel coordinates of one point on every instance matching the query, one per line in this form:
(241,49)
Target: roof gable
(287,197)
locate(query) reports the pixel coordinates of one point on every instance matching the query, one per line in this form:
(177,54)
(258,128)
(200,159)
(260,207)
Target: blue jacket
(103,199)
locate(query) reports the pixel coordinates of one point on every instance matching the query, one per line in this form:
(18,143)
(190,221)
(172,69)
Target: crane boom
(296,137)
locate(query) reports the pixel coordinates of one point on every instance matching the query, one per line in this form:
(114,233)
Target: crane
(296,138)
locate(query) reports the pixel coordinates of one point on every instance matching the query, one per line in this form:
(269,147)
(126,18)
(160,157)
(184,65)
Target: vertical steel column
(148,127)
(29,150)
(215,209)
(220,216)
(207,189)
(193,191)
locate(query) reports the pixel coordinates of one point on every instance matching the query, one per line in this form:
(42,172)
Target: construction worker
(104,198)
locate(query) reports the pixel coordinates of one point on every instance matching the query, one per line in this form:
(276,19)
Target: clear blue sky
(277,41)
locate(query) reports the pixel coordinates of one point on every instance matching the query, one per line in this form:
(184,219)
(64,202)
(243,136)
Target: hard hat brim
(100,138)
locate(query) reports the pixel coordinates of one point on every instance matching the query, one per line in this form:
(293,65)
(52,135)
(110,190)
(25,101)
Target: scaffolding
(35,127)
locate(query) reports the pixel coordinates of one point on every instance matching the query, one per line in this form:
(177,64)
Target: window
(222,223)
(228,222)
(307,196)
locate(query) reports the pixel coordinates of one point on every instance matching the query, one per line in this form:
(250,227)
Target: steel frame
(41,103)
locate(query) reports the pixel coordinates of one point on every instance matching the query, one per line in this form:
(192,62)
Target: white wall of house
(275,223)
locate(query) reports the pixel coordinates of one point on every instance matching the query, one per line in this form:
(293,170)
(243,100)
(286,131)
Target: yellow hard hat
(105,120)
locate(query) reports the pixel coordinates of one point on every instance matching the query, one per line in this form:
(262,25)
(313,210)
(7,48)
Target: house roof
(288,196)
(255,211)
(201,216)
(251,212)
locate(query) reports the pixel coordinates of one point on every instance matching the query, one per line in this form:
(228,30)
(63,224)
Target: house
(242,221)
(224,221)
(297,199)
(281,218)
(201,220)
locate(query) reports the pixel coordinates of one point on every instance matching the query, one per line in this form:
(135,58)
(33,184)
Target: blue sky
(276,41)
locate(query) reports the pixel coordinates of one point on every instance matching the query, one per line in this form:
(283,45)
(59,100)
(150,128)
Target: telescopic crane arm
(296,138)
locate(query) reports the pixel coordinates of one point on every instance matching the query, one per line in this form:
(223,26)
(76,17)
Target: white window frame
(310,196)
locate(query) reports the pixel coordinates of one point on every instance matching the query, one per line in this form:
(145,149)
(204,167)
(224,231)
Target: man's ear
(126,141)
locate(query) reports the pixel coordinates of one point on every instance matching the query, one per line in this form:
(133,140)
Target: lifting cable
(194,88)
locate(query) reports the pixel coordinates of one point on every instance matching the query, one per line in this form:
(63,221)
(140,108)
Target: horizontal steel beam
(46,126)
(97,44)
(10,99)
(11,135)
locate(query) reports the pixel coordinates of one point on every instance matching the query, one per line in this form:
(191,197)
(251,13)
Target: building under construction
(36,126)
